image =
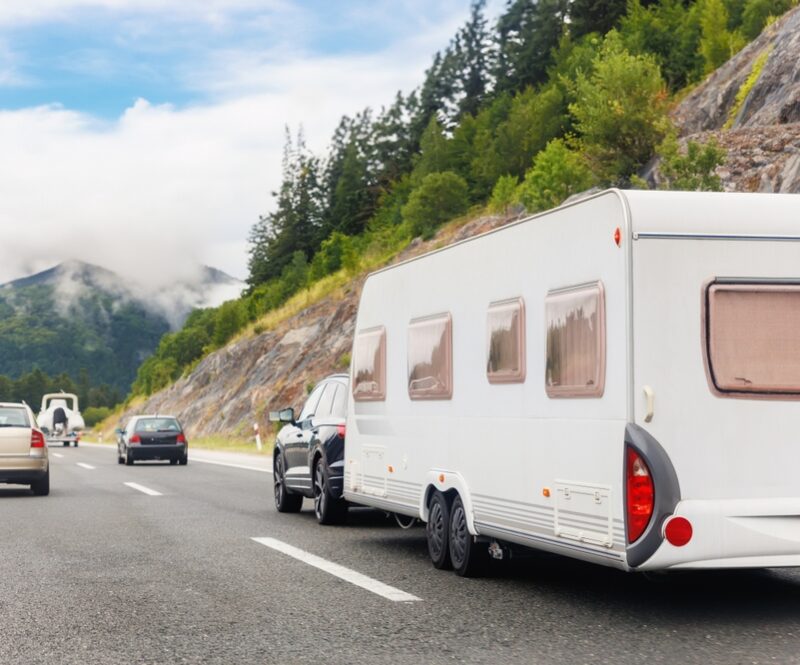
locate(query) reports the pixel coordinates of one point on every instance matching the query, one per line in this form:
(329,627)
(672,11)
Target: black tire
(437,531)
(184,460)
(285,501)
(327,508)
(41,487)
(469,558)
(128,458)
(120,458)
(65,444)
(173,461)
(76,444)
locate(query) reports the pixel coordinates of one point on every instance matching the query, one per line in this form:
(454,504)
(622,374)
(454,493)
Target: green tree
(620,111)
(434,152)
(594,16)
(504,194)
(230,319)
(756,14)
(439,198)
(557,173)
(717,43)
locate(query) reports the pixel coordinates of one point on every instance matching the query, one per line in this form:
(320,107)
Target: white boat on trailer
(614,380)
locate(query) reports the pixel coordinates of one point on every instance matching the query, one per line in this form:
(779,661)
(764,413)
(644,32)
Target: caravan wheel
(469,558)
(437,529)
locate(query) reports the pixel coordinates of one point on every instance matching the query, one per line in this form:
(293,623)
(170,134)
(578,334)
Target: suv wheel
(285,501)
(328,509)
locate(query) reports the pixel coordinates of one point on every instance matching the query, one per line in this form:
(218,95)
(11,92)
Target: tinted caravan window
(430,357)
(576,344)
(369,365)
(753,338)
(505,341)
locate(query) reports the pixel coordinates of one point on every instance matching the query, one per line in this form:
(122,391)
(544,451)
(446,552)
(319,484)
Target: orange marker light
(546,491)
(618,236)
(441,477)
(391,469)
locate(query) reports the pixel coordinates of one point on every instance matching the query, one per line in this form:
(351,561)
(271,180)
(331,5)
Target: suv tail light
(37,439)
(340,430)
(135,439)
(181,438)
(640,494)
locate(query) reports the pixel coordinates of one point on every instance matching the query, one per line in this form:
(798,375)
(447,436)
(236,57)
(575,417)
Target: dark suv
(309,452)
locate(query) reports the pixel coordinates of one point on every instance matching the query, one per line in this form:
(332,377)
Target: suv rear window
(157,425)
(752,338)
(11,416)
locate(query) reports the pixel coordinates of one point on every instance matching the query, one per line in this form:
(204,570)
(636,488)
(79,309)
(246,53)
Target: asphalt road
(100,572)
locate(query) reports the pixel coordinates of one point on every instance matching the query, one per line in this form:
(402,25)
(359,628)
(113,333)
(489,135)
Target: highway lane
(101,572)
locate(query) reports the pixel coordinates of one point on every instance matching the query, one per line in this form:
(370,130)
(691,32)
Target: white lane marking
(347,574)
(59,455)
(85,466)
(142,488)
(235,466)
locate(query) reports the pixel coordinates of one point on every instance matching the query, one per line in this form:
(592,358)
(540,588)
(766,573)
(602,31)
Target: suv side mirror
(282,416)
(118,431)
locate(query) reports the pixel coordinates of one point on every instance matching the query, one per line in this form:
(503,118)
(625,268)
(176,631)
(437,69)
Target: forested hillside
(552,98)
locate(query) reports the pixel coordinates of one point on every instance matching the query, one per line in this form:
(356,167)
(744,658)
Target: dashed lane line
(59,455)
(346,574)
(85,466)
(143,489)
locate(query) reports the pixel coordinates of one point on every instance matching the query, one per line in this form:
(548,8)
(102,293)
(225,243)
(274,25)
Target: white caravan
(615,380)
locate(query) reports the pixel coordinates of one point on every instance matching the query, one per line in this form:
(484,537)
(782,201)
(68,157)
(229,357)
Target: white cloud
(162,188)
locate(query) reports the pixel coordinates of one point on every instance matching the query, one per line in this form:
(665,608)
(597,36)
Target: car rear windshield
(13,416)
(158,425)
(753,338)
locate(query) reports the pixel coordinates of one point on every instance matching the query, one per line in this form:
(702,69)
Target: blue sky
(125,120)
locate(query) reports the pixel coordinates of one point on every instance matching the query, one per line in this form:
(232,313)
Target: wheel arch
(451,484)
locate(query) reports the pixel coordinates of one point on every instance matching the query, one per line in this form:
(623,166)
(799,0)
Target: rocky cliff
(751,105)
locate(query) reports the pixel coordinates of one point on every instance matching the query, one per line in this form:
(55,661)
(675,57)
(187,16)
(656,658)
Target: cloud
(163,187)
(160,188)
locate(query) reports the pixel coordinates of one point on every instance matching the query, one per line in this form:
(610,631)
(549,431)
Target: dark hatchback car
(152,438)
(309,452)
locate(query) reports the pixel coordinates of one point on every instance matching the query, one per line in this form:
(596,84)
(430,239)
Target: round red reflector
(678,531)
(618,236)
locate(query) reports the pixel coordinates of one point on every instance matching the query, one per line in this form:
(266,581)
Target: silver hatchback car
(23,449)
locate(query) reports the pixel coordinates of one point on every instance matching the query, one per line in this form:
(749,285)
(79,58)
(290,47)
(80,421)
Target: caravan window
(430,357)
(576,344)
(505,341)
(752,341)
(369,365)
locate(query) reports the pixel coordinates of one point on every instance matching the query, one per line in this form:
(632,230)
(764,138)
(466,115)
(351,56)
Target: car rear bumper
(166,451)
(23,469)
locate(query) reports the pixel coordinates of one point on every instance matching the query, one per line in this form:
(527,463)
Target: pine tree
(599,16)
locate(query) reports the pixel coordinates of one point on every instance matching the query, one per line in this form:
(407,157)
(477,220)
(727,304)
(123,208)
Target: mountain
(77,315)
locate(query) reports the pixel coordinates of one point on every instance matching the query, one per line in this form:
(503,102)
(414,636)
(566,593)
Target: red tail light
(181,438)
(340,430)
(641,495)
(135,439)
(37,439)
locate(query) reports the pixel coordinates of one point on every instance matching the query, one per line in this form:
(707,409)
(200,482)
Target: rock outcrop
(762,137)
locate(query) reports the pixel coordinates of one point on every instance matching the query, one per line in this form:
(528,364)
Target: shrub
(556,174)
(95,414)
(439,198)
(691,169)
